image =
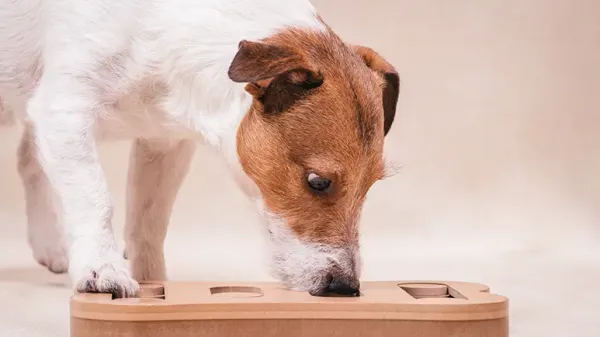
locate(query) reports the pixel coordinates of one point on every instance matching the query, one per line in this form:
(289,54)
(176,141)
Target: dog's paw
(55,259)
(50,251)
(105,276)
(108,278)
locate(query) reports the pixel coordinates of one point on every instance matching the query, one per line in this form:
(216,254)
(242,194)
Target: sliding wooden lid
(408,300)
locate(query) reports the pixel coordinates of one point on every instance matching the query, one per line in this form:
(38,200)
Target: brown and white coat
(299,115)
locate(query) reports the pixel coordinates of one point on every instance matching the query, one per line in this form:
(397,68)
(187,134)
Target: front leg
(157,169)
(45,233)
(62,112)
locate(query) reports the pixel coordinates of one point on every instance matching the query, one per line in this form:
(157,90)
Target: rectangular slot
(152,291)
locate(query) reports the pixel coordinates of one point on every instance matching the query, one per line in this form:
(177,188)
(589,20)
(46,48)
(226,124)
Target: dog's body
(297,114)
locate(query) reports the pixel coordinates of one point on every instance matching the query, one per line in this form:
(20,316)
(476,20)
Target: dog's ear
(391,88)
(277,76)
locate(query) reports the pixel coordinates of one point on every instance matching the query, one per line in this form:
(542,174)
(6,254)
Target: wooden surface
(414,308)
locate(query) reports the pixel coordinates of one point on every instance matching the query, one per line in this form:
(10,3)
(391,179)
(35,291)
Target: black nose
(343,287)
(346,287)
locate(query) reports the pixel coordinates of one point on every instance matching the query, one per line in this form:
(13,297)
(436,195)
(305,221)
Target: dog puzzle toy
(383,309)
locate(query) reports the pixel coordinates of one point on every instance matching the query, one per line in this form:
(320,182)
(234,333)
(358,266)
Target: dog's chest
(139,114)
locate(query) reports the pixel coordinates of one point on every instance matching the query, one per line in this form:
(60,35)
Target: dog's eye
(318,183)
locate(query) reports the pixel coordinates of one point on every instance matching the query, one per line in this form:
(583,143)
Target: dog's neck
(201,95)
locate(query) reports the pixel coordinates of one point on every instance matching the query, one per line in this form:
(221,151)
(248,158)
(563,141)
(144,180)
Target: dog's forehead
(346,110)
(341,120)
(341,154)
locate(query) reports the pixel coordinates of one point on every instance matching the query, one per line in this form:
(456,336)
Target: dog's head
(312,142)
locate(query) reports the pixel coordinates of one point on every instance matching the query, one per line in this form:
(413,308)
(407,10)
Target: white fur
(83,71)
(45,236)
(157,169)
(301,265)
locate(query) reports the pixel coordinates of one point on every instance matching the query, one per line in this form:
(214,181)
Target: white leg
(62,112)
(157,169)
(45,235)
(7,117)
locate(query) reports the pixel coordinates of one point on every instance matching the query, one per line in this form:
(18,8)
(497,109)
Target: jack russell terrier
(299,115)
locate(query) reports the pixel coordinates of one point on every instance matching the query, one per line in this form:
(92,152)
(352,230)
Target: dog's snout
(343,287)
(338,284)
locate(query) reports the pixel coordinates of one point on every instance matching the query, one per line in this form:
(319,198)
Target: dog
(299,116)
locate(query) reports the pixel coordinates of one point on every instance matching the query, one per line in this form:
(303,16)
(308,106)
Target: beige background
(497,132)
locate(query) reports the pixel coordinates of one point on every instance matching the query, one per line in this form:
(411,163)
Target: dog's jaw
(302,265)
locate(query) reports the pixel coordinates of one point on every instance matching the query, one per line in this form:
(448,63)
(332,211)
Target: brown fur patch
(323,113)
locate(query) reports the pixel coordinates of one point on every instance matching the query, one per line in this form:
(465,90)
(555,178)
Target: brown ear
(391,89)
(277,76)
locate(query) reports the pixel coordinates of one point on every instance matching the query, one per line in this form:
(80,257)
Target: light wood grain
(258,309)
